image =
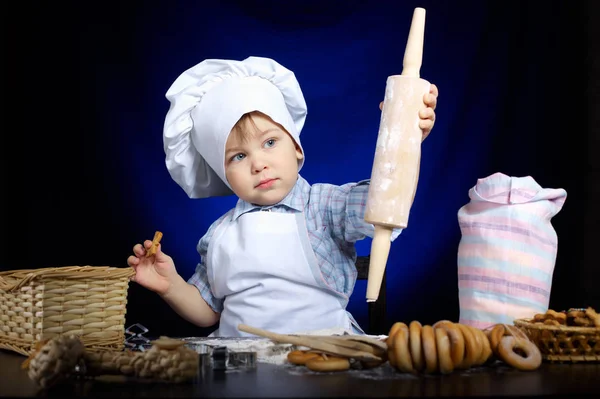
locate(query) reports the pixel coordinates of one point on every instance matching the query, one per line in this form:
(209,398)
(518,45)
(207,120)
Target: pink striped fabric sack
(507,250)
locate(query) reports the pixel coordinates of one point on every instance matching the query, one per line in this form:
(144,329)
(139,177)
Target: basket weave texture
(87,301)
(563,343)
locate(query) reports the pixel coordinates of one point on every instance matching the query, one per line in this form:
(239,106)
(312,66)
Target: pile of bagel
(439,348)
(447,346)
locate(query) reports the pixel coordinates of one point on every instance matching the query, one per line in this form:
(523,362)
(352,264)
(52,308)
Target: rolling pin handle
(380,249)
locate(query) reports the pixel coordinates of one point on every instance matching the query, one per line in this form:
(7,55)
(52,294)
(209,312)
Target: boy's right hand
(156,272)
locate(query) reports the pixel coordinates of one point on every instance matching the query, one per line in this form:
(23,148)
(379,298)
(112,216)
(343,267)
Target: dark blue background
(92,181)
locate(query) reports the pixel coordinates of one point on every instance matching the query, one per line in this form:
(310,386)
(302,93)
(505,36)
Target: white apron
(265,268)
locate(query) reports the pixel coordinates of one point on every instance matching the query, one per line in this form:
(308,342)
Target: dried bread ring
(479,344)
(440,322)
(495,336)
(327,363)
(390,341)
(414,343)
(402,352)
(442,344)
(457,342)
(472,350)
(487,349)
(395,327)
(484,343)
(531,360)
(429,349)
(300,357)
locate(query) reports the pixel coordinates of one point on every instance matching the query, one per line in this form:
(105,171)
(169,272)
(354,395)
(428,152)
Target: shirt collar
(297,199)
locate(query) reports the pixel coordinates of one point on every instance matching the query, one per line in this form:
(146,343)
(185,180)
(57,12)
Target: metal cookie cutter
(136,339)
(220,358)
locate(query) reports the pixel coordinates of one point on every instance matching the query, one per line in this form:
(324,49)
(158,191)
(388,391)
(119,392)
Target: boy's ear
(299,154)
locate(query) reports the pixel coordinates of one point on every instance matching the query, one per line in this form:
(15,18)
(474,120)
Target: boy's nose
(258,166)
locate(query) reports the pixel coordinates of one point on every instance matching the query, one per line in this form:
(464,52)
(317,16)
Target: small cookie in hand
(155,241)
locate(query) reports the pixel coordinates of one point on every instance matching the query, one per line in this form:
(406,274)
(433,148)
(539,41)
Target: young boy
(283,258)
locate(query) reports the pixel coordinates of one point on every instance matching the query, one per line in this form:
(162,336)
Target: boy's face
(261,165)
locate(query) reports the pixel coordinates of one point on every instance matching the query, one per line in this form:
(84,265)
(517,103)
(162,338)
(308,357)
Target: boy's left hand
(427,115)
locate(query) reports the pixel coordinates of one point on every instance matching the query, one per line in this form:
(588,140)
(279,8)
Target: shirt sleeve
(346,204)
(200,277)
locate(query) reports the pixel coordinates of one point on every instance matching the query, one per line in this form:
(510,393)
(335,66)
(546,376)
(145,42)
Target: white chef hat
(207,100)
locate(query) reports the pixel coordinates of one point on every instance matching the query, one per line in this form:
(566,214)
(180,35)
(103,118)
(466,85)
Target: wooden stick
(311,342)
(354,345)
(357,338)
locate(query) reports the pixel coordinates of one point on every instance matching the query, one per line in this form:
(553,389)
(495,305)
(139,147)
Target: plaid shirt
(334,219)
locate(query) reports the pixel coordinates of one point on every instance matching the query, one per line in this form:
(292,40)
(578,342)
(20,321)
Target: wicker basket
(563,343)
(87,301)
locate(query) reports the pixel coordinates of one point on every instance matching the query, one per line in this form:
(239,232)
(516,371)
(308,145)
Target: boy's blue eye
(270,143)
(238,157)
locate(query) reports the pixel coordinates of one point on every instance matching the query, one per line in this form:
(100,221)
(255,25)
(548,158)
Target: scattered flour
(266,350)
(383,372)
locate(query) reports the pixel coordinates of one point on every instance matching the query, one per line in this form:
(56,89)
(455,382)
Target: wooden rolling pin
(395,170)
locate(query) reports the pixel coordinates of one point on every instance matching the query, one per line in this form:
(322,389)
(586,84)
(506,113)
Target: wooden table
(551,380)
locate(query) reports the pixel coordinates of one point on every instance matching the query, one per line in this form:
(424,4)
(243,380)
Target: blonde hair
(240,129)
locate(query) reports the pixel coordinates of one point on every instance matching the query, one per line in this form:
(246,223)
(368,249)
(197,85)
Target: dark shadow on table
(497,380)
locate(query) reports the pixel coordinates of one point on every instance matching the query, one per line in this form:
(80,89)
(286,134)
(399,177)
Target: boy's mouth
(266,183)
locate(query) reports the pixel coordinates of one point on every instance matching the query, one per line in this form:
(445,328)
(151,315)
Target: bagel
(429,349)
(327,363)
(484,344)
(402,352)
(531,358)
(496,334)
(457,342)
(472,349)
(391,342)
(414,343)
(300,358)
(442,343)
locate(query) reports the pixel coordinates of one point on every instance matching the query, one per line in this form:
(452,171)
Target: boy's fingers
(426,125)
(434,90)
(426,113)
(430,100)
(138,250)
